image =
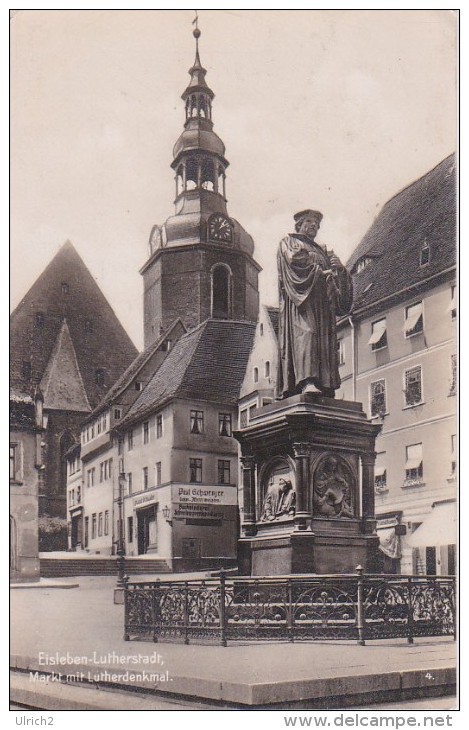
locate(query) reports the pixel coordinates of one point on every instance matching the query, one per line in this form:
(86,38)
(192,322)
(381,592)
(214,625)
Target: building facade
(398,354)
(177,453)
(93,463)
(27,434)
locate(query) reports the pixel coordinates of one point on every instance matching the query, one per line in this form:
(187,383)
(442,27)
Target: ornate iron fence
(357,607)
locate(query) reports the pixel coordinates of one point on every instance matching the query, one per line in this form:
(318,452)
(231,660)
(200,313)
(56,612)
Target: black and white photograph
(234,365)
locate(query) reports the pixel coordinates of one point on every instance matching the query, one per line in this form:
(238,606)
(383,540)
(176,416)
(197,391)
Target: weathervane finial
(196,32)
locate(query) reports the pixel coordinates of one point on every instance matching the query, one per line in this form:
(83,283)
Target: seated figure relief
(279,501)
(332,490)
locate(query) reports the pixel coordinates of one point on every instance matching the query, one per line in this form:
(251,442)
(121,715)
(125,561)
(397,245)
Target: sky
(330,109)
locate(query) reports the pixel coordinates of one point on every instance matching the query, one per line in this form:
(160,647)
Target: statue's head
(285,485)
(307,222)
(330,464)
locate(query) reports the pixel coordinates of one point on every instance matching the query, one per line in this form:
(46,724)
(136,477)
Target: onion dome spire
(199,154)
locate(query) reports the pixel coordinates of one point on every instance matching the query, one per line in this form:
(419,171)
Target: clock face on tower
(220,228)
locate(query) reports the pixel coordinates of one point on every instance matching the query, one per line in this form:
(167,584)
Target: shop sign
(145,499)
(196,494)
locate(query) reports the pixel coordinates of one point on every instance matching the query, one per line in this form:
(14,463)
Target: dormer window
(425,254)
(99,376)
(65,287)
(138,385)
(361,264)
(40,319)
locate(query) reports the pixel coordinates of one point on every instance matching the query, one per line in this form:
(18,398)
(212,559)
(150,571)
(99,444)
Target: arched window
(221,292)
(192,168)
(179,181)
(208,175)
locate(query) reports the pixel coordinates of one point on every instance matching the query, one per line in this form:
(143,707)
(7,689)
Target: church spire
(196,33)
(199,154)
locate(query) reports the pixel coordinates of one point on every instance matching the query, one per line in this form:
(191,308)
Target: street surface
(84,624)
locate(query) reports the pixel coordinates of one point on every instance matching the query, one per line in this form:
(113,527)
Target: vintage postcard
(234,364)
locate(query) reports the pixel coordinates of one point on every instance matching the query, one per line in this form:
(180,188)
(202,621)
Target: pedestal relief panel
(278,492)
(334,488)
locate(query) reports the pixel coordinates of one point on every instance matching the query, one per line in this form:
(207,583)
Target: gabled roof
(425,211)
(62,384)
(132,371)
(66,289)
(206,364)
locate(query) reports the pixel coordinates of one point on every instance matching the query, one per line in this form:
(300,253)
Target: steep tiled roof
(121,383)
(424,211)
(62,383)
(273,316)
(207,364)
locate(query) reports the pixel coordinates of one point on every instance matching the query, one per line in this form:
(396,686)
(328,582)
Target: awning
(380,471)
(412,320)
(389,542)
(439,528)
(413,463)
(452,305)
(378,332)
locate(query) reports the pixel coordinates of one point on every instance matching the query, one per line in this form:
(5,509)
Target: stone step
(70,567)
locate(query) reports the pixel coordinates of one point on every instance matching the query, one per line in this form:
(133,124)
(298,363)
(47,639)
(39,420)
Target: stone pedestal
(308,488)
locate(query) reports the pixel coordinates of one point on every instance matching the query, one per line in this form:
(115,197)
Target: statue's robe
(309,302)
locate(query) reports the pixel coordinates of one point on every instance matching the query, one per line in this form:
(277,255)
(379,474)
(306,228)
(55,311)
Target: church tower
(200,261)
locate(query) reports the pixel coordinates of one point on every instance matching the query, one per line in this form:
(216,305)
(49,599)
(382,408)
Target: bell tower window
(221,181)
(179,180)
(208,175)
(192,173)
(221,292)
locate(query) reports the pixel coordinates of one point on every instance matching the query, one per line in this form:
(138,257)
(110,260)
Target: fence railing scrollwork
(357,607)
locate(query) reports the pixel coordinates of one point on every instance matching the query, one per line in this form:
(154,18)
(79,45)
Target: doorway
(76,532)
(146,530)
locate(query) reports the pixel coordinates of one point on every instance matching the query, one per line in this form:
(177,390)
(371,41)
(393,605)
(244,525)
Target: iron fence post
(360,607)
(222,608)
(154,610)
(126,609)
(291,618)
(186,612)
(410,612)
